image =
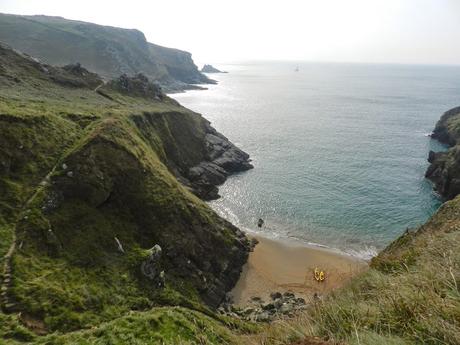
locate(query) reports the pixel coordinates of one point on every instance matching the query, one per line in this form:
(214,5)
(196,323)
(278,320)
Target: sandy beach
(282,266)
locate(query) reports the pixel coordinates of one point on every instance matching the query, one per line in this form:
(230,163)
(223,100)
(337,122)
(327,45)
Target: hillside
(410,295)
(94,223)
(105,238)
(105,50)
(444,170)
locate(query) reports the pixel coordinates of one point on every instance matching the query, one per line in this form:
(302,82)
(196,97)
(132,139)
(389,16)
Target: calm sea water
(339,149)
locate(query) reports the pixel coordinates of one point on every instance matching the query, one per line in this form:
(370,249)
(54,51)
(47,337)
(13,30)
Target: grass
(73,286)
(111,165)
(108,51)
(158,326)
(409,296)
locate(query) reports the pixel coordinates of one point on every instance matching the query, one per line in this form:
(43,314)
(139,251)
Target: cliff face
(108,51)
(97,212)
(179,64)
(444,169)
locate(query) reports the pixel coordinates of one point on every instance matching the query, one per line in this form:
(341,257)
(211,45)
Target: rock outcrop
(444,169)
(222,159)
(199,156)
(138,85)
(211,69)
(178,64)
(281,305)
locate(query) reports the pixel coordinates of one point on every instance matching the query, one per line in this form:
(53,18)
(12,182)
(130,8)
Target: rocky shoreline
(444,169)
(223,158)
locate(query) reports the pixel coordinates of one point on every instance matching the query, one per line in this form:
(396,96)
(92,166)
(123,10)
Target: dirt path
(6,303)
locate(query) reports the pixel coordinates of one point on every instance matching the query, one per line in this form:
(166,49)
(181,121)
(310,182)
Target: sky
(373,31)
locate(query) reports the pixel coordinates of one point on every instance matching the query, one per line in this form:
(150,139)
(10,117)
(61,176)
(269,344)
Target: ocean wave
(366,253)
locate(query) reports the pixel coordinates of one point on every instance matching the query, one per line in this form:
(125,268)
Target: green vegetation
(108,51)
(81,170)
(159,326)
(410,295)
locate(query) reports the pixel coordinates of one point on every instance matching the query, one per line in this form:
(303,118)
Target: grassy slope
(121,186)
(410,295)
(108,51)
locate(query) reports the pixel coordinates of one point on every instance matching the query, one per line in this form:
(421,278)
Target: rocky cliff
(444,169)
(210,69)
(105,50)
(98,212)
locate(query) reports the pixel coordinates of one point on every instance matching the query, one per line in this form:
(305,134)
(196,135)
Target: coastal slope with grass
(108,51)
(411,292)
(100,218)
(410,295)
(105,237)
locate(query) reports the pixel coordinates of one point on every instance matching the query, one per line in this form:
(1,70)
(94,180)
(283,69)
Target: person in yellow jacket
(319,275)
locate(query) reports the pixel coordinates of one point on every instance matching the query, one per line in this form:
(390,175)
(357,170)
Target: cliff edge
(105,50)
(99,214)
(444,169)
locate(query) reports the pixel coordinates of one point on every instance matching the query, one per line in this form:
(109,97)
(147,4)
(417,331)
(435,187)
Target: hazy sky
(400,31)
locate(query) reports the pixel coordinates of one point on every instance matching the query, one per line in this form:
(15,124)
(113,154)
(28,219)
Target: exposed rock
(108,51)
(280,305)
(444,170)
(138,85)
(151,266)
(253,243)
(442,131)
(275,295)
(222,159)
(211,69)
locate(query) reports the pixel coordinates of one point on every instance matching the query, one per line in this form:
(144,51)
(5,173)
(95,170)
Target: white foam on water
(366,253)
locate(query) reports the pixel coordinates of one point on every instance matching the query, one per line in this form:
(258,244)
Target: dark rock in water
(431,156)
(260,222)
(210,69)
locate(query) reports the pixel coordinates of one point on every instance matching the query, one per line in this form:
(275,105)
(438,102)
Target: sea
(339,150)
